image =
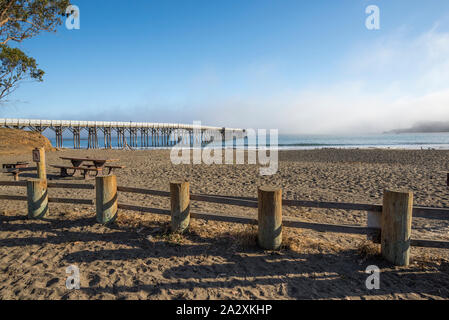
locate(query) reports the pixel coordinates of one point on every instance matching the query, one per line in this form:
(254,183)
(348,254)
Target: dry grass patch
(131,220)
(298,241)
(234,236)
(368,249)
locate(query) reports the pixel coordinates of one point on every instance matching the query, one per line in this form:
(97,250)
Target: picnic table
(15,168)
(97,163)
(18,164)
(86,165)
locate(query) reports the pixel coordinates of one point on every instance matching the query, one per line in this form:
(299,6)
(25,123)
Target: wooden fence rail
(418,211)
(373,231)
(51,185)
(245,219)
(55,200)
(144,191)
(287,221)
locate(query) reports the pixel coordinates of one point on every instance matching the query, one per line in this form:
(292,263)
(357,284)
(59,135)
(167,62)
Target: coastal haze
(438,140)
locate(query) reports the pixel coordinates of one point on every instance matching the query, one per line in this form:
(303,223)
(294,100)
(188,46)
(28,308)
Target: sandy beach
(137,258)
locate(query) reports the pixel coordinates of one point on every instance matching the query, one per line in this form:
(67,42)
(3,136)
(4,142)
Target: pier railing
(388,224)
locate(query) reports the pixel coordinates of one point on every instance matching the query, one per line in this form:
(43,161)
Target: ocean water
(298,142)
(392,141)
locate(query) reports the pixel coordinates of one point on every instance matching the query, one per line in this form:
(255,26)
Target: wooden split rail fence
(388,224)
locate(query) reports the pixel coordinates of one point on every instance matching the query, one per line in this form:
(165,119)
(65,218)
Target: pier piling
(161,133)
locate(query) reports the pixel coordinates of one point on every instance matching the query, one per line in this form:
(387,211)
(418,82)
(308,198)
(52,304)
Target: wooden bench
(112,167)
(83,170)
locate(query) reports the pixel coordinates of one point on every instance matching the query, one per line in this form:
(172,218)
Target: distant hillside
(15,141)
(434,126)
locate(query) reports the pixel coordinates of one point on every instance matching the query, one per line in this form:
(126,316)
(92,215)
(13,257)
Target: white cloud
(391,83)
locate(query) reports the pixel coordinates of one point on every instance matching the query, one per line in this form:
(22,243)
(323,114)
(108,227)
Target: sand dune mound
(15,141)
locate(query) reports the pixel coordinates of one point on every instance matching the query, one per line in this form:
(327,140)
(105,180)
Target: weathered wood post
(39,158)
(269,218)
(106,198)
(180,205)
(37,198)
(396,226)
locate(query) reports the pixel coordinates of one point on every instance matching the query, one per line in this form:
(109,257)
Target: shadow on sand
(304,276)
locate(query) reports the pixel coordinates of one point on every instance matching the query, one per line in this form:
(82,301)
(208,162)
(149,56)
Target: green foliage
(16,66)
(20,20)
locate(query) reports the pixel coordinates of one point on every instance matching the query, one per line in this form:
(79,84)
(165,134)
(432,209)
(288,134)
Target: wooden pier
(151,134)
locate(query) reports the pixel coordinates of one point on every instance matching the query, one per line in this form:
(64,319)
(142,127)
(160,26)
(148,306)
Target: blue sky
(301,67)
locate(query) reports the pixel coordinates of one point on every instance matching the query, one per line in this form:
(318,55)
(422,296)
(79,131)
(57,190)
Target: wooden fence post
(396,226)
(106,198)
(39,158)
(180,205)
(269,218)
(37,198)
